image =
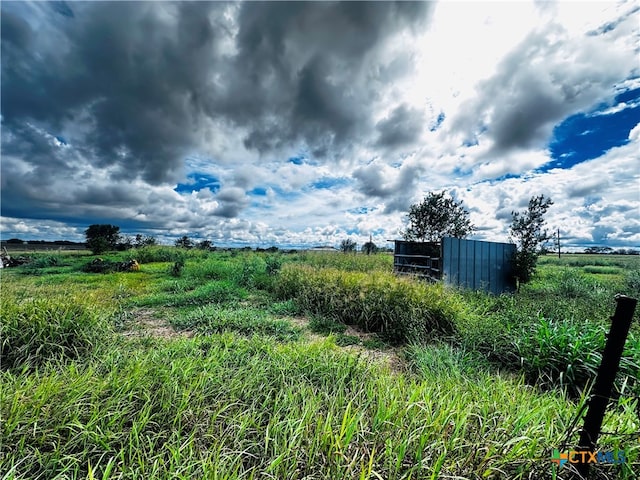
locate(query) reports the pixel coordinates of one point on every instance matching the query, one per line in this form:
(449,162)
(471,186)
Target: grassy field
(229,365)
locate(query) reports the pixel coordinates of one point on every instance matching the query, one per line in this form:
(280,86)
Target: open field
(230,365)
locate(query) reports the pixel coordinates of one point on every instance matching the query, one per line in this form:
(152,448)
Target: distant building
(323,248)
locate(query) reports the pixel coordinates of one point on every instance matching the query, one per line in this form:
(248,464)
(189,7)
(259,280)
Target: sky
(303,124)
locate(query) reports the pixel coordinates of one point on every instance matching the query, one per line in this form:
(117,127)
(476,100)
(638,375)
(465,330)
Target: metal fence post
(620,324)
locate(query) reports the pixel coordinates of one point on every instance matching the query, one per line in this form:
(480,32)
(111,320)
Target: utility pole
(558,243)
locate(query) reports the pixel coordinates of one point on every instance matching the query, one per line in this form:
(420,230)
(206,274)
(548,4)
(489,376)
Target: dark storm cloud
(231,202)
(395,188)
(62,8)
(135,87)
(402,127)
(305,70)
(128,74)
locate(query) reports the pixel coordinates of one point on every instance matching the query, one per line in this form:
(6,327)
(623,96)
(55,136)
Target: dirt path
(146,323)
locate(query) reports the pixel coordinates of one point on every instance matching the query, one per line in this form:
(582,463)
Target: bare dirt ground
(146,323)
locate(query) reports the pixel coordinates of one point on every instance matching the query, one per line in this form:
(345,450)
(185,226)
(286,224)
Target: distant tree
(15,241)
(437,216)
(369,248)
(347,246)
(184,242)
(125,242)
(204,245)
(102,237)
(528,233)
(144,241)
(598,250)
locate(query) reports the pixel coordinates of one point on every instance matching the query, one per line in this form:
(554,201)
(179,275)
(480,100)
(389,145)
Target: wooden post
(620,324)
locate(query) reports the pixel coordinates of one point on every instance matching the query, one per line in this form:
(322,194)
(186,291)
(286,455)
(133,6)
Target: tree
(184,242)
(598,250)
(204,245)
(102,237)
(144,241)
(528,233)
(347,246)
(437,216)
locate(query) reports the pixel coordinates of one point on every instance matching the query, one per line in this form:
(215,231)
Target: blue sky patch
(196,182)
(328,183)
(259,191)
(361,210)
(439,121)
(297,160)
(583,137)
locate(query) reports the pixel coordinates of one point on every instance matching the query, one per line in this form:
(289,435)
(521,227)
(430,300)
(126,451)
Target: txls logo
(586,456)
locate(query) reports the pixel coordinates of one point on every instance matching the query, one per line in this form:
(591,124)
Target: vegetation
(347,245)
(102,237)
(437,216)
(219,372)
(528,232)
(184,242)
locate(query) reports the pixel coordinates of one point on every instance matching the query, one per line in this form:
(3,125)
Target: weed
(176,268)
(325,325)
(36,331)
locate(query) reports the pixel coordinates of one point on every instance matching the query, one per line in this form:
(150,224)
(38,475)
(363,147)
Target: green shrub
(633,283)
(274,263)
(36,331)
(564,353)
(176,268)
(156,253)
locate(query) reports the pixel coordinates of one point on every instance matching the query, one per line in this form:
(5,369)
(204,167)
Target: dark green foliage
(437,216)
(326,326)
(205,245)
(184,242)
(102,237)
(98,265)
(528,233)
(152,254)
(346,340)
(369,248)
(274,263)
(144,241)
(347,245)
(284,308)
(176,268)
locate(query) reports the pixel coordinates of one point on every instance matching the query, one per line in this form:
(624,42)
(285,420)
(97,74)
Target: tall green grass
(226,407)
(35,331)
(482,396)
(400,309)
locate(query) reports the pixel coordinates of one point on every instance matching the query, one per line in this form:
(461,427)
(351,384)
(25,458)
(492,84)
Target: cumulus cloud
(304,122)
(547,77)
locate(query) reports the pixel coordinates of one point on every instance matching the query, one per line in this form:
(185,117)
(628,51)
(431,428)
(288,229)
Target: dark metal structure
(466,263)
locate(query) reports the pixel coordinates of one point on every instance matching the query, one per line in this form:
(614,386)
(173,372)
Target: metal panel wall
(478,265)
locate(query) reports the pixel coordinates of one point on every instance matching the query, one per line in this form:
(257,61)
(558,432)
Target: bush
(153,254)
(36,331)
